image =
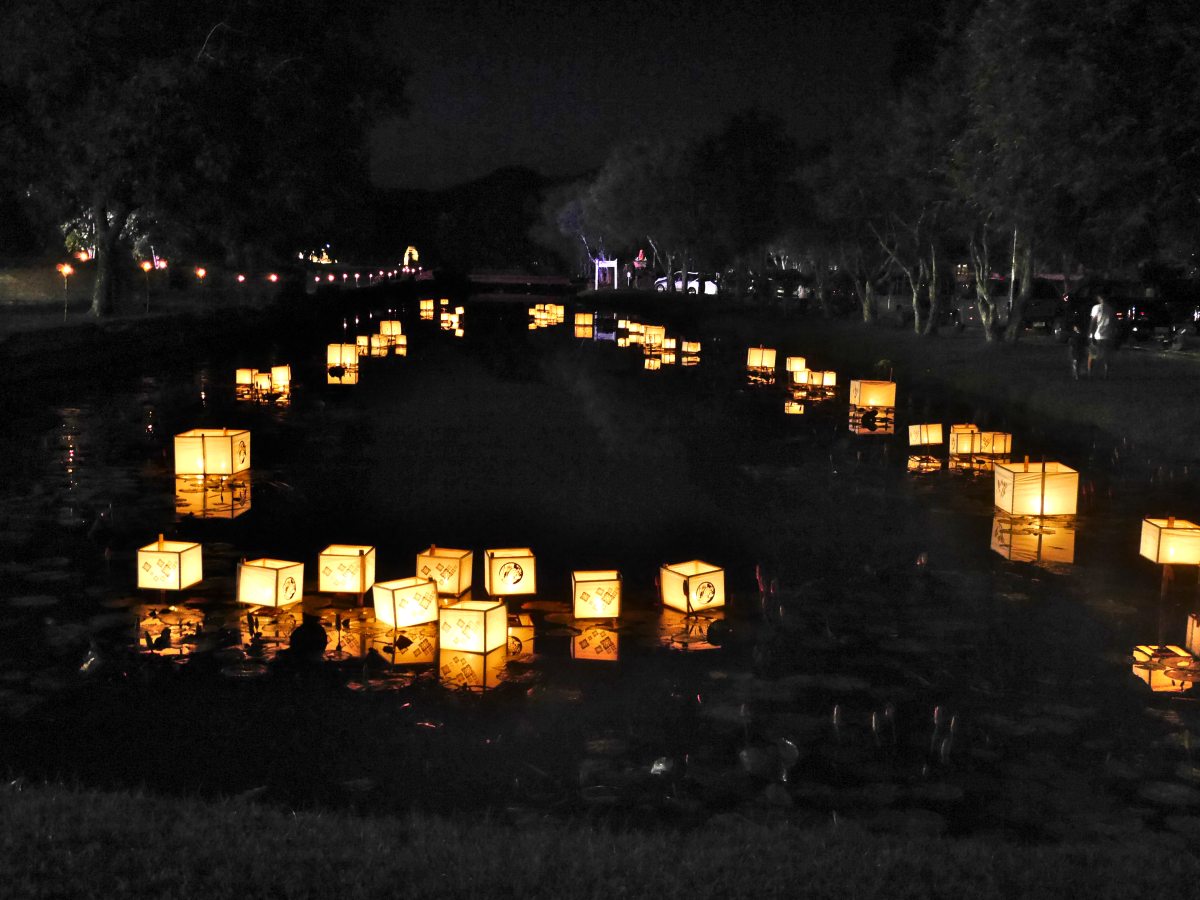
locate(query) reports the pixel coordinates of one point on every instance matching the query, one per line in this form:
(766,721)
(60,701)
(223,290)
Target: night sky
(553,85)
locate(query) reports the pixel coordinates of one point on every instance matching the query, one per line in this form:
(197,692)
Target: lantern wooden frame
(212,451)
(405,602)
(450,569)
(346,569)
(476,626)
(596,593)
(692,586)
(169,565)
(509,571)
(1036,489)
(270,582)
(1170,541)
(962,439)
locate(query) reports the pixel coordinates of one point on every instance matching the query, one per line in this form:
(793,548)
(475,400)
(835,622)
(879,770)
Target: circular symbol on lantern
(241,451)
(289,588)
(706,593)
(511,573)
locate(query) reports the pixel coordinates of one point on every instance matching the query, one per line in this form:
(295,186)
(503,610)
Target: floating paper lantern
(596,593)
(510,571)
(1155,664)
(380,345)
(520,635)
(262,384)
(270,582)
(406,601)
(471,671)
(391,329)
(243,384)
(478,626)
(655,335)
(199,497)
(872,393)
(1171,541)
(426,309)
(585,318)
(596,643)
(796,364)
(923,435)
(793,408)
(281,379)
(450,569)
(652,363)
(1036,489)
(212,451)
(169,565)
(1032,542)
(962,439)
(692,586)
(670,344)
(760,359)
(346,569)
(872,407)
(689,347)
(993,443)
(667,357)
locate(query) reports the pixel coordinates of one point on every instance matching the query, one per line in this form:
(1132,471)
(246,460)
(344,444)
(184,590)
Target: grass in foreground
(64,843)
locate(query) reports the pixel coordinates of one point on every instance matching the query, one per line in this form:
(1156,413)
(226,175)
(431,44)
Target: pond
(891,652)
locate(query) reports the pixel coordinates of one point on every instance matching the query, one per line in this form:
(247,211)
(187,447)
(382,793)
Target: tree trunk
(104,289)
(935,298)
(1022,270)
(981,267)
(866,296)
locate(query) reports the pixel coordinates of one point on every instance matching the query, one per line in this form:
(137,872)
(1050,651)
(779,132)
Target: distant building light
(201,272)
(272,278)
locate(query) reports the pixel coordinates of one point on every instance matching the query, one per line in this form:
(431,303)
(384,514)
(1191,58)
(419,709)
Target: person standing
(1102,332)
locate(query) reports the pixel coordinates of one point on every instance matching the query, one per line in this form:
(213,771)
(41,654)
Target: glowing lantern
(426,309)
(587,318)
(653,363)
(211,498)
(520,635)
(509,571)
(401,345)
(670,344)
(212,451)
(962,439)
(796,364)
(1156,664)
(272,278)
(1171,541)
(471,671)
(924,435)
(596,643)
(169,565)
(262,383)
(667,357)
(390,328)
(362,344)
(281,379)
(346,569)
(449,569)
(341,363)
(405,602)
(584,332)
(692,586)
(760,359)
(270,582)
(691,347)
(1020,541)
(654,335)
(1040,489)
(872,393)
(872,407)
(201,272)
(477,626)
(596,593)
(243,380)
(793,408)
(379,345)
(993,443)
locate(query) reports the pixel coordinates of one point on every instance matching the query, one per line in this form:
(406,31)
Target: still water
(892,651)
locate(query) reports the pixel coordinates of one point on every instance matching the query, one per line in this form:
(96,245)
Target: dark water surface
(902,673)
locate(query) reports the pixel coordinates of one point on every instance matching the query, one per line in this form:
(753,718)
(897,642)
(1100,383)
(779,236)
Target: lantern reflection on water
(414,646)
(872,407)
(596,643)
(793,408)
(169,565)
(270,582)
(405,602)
(520,635)
(478,626)
(509,571)
(654,335)
(923,436)
(1171,541)
(596,593)
(679,630)
(689,347)
(450,569)
(1164,667)
(471,671)
(692,586)
(200,497)
(1031,541)
(652,363)
(346,569)
(1036,489)
(212,451)
(584,332)
(380,345)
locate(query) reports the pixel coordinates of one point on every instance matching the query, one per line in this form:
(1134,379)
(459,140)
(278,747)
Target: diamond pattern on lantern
(450,568)
(597,594)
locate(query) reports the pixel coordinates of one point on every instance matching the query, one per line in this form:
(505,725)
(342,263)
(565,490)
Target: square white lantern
(212,451)
(652,363)
(924,435)
(390,328)
(426,309)
(450,569)
(596,593)
(380,345)
(796,363)
(962,439)
(596,643)
(169,565)
(243,384)
(1171,541)
(655,335)
(362,344)
(585,319)
(405,602)
(477,626)
(509,571)
(471,671)
(1036,489)
(872,393)
(346,569)
(270,582)
(993,443)
(760,359)
(689,347)
(692,586)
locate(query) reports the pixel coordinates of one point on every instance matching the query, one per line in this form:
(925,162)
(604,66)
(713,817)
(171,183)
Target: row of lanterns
(803,384)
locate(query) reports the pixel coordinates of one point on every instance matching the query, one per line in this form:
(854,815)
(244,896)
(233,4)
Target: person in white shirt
(1102,333)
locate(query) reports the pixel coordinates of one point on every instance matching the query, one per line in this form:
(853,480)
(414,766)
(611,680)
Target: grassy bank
(63,843)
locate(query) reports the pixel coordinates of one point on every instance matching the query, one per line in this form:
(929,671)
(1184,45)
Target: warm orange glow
(760,359)
(147,265)
(922,435)
(449,568)
(241,278)
(212,451)
(596,593)
(1171,541)
(872,393)
(1036,489)
(520,635)
(596,643)
(692,586)
(65,269)
(270,582)
(510,571)
(1028,540)
(477,626)
(201,272)
(272,277)
(346,569)
(405,602)
(1160,667)
(169,565)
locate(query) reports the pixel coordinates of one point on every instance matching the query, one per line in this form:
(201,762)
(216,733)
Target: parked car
(1140,309)
(693,283)
(1043,307)
(894,303)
